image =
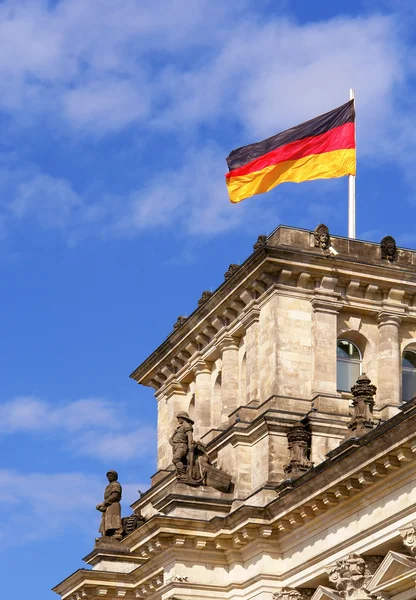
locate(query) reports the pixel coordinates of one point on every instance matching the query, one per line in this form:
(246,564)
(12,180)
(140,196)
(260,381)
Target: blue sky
(116,118)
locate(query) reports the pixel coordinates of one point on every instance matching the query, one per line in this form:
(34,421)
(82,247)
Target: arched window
(408,375)
(348,365)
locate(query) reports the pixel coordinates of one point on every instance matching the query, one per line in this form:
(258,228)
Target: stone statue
(192,463)
(111,524)
(182,442)
(322,238)
(388,248)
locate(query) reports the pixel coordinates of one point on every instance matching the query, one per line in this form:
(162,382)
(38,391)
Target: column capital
(175,389)
(409,537)
(201,367)
(326,306)
(388,318)
(228,342)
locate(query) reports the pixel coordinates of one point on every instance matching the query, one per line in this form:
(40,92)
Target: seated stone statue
(111,525)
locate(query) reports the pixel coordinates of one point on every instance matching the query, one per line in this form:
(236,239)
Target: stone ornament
(131,523)
(409,537)
(388,248)
(179,322)
(206,295)
(351,575)
(287,593)
(362,419)
(111,526)
(322,237)
(191,461)
(233,268)
(299,440)
(261,243)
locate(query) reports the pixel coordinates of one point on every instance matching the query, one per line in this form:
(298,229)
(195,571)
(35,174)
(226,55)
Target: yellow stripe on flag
(337,163)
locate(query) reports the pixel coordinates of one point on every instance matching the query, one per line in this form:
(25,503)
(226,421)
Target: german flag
(321,148)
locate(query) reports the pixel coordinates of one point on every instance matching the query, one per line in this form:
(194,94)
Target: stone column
(389,359)
(251,323)
(203,399)
(324,347)
(229,385)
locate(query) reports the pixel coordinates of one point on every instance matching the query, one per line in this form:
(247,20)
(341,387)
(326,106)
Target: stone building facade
(322,500)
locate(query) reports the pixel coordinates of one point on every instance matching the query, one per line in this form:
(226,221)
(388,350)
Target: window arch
(348,365)
(408,375)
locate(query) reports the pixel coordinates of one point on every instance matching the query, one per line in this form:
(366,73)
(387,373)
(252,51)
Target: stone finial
(362,419)
(179,322)
(233,268)
(299,440)
(206,295)
(288,593)
(322,238)
(351,575)
(388,248)
(409,537)
(261,242)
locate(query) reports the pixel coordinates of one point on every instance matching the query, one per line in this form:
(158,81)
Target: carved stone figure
(192,463)
(409,537)
(261,242)
(233,268)
(287,593)
(206,295)
(362,419)
(182,443)
(388,248)
(352,574)
(111,525)
(179,322)
(322,238)
(299,440)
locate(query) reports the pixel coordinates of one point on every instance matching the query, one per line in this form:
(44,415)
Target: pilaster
(203,393)
(251,322)
(229,388)
(324,327)
(389,372)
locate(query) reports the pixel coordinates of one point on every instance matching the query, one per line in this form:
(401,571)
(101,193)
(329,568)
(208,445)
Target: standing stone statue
(182,442)
(111,524)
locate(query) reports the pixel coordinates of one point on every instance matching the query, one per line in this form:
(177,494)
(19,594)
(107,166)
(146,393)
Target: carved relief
(322,238)
(233,268)
(351,575)
(409,537)
(179,322)
(131,523)
(388,248)
(261,242)
(299,440)
(287,593)
(206,295)
(362,419)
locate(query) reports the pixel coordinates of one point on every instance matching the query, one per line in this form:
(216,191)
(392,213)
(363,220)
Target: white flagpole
(351,193)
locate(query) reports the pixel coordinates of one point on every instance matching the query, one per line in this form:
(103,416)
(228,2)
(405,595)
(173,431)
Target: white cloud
(91,427)
(39,505)
(95,68)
